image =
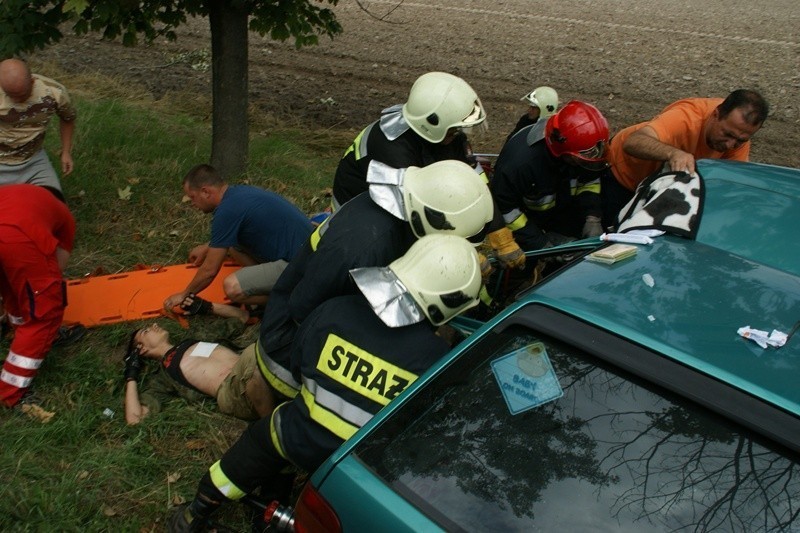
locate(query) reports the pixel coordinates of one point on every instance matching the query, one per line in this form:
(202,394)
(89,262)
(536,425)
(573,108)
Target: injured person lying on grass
(192,370)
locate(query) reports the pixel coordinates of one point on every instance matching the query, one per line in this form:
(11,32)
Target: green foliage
(300,19)
(27,25)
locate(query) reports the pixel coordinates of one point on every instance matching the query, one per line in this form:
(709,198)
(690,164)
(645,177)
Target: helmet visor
(595,153)
(475,117)
(530,98)
(592,158)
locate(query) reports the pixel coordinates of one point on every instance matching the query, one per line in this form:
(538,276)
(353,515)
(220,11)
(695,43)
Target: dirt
(628,58)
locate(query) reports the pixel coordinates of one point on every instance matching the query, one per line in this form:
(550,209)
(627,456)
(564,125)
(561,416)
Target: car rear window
(479,449)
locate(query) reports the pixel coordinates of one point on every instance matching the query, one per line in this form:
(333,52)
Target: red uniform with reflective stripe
(33,223)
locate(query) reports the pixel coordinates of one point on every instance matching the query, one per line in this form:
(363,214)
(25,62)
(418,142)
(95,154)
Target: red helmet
(578,129)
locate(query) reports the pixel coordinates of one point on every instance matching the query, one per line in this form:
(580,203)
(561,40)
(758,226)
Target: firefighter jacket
(359,234)
(537,192)
(351,365)
(409,149)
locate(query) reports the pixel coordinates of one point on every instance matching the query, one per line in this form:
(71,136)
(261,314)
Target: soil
(628,58)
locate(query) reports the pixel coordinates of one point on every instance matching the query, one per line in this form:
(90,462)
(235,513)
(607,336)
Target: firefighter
(37,232)
(354,354)
(542,103)
(373,229)
(426,129)
(549,189)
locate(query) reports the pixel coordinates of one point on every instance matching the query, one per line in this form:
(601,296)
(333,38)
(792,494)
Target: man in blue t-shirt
(259,229)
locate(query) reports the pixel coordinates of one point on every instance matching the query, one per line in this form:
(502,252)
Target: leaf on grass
(78,6)
(83,474)
(173,477)
(109,511)
(174,233)
(134,181)
(124,194)
(185,199)
(178,500)
(196,444)
(37,413)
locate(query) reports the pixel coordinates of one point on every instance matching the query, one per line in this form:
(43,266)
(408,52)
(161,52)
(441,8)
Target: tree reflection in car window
(612,453)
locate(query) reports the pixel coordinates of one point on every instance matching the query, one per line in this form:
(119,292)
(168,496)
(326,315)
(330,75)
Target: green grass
(83,471)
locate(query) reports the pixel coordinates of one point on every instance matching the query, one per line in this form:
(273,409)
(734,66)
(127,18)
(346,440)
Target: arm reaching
(202,279)
(645,144)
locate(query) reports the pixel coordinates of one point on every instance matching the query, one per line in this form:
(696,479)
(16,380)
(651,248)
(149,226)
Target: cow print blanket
(671,202)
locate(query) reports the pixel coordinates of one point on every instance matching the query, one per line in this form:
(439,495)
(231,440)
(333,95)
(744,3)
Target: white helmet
(545,98)
(439,101)
(442,274)
(446,197)
(438,278)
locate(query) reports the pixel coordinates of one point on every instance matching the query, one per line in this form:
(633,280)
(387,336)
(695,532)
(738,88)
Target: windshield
(570,443)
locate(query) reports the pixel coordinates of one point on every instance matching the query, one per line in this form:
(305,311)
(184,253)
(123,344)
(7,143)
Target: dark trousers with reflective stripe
(252,462)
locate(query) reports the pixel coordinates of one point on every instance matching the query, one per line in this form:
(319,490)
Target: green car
(609,397)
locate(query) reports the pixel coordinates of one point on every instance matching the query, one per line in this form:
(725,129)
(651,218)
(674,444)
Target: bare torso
(206,373)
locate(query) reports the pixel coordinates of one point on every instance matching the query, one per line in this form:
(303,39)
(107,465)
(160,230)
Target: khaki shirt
(23,126)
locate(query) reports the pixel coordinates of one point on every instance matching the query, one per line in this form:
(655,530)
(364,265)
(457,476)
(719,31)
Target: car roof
(741,271)
(752,210)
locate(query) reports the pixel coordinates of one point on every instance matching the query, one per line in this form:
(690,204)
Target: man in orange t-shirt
(687,130)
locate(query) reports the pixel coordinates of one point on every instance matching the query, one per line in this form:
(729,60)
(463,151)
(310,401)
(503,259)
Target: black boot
(191,517)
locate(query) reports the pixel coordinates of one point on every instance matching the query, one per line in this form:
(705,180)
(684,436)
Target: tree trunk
(229,63)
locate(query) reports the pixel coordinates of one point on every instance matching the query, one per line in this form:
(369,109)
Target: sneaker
(69,335)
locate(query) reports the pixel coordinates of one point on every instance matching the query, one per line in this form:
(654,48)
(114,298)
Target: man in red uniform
(36,237)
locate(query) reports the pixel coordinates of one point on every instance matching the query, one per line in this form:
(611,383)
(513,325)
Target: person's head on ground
(578,134)
(735,120)
(438,278)
(149,342)
(16,80)
(444,197)
(204,186)
(439,104)
(542,102)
